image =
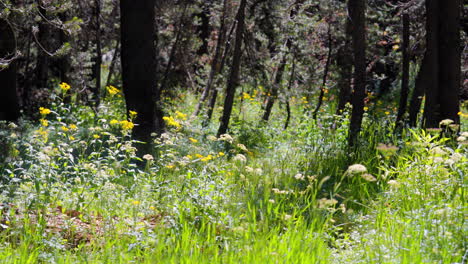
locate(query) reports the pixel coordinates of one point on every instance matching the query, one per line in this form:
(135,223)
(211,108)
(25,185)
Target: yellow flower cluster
(126,125)
(170,121)
(44,111)
(461,114)
(181,115)
(133,114)
(112,90)
(64,86)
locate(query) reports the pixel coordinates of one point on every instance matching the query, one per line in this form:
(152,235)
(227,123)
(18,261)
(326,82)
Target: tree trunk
(405,72)
(98,58)
(233,80)
(138,56)
(357,15)
(345,69)
(9,108)
(418,93)
(288,106)
(325,74)
(444,61)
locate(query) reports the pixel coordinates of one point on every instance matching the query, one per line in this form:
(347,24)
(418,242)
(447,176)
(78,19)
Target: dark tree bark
(98,58)
(357,15)
(276,85)
(9,107)
(325,74)
(233,80)
(405,72)
(444,61)
(112,64)
(418,94)
(345,68)
(138,56)
(43,39)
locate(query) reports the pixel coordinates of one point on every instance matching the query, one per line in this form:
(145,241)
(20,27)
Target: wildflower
(226,137)
(446,122)
(356,169)
(172,122)
(71,138)
(207,158)
(240,157)
(387,112)
(44,122)
(193,140)
(199,156)
(287,217)
(368,177)
(112,90)
(114,122)
(242,147)
(126,125)
(65,129)
(393,184)
(211,138)
(220,154)
(461,138)
(73,127)
(271,201)
(44,111)
(170,166)
(152,208)
(64,86)
(366,108)
(132,114)
(246,96)
(299,176)
(249,169)
(181,115)
(134,202)
(148,157)
(396,47)
(327,203)
(96,136)
(189,157)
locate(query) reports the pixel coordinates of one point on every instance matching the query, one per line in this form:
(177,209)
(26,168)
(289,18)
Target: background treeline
(326,52)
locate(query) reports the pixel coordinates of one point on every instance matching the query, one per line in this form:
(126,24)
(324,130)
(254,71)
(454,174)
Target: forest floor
(73,190)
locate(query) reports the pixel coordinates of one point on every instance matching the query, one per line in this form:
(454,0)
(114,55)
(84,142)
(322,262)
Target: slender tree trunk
(288,106)
(215,63)
(418,93)
(138,56)
(9,107)
(233,80)
(357,15)
(214,92)
(325,74)
(42,63)
(345,69)
(276,85)
(432,107)
(405,72)
(98,59)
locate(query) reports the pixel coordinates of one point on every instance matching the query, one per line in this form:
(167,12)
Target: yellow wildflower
(387,112)
(193,140)
(172,122)
(134,202)
(170,166)
(126,125)
(112,90)
(246,96)
(72,138)
(44,111)
(199,156)
(132,114)
(366,108)
(221,154)
(207,158)
(181,115)
(189,157)
(96,136)
(64,86)
(114,122)
(44,122)
(73,127)
(65,129)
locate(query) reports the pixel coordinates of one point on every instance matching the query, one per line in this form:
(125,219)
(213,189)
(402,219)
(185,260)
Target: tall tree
(233,80)
(138,57)
(356,9)
(405,71)
(444,61)
(9,107)
(344,61)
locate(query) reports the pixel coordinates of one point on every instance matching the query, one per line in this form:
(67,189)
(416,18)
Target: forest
(233,131)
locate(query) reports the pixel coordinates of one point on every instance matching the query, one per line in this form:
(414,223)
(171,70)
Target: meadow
(74,191)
